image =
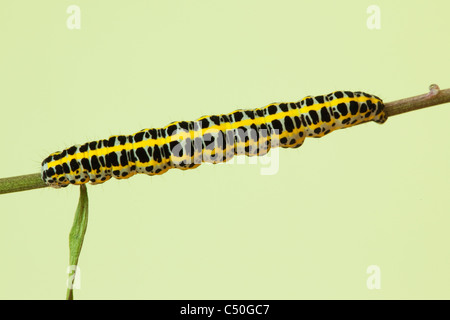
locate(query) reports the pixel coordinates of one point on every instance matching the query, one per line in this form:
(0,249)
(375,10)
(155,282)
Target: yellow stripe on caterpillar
(217,138)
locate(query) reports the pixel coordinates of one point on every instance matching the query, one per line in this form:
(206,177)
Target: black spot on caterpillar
(186,144)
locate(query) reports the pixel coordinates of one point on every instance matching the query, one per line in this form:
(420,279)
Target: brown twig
(434,97)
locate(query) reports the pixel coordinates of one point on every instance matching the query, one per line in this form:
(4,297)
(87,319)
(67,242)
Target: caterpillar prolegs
(186,144)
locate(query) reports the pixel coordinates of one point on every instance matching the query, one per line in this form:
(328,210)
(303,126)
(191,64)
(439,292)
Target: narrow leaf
(76,238)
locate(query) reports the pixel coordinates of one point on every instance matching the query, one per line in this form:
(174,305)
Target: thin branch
(21,183)
(434,97)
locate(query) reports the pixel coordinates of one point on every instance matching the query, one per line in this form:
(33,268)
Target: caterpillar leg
(381,118)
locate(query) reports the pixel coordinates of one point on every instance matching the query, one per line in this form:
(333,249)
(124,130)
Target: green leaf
(76,238)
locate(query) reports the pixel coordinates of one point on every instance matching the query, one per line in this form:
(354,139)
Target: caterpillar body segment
(217,138)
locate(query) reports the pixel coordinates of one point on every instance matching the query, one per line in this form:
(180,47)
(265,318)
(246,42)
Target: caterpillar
(217,138)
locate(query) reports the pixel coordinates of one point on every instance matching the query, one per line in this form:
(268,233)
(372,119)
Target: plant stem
(21,183)
(434,97)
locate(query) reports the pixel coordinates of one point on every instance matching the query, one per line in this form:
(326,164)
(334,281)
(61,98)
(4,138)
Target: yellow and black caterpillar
(215,139)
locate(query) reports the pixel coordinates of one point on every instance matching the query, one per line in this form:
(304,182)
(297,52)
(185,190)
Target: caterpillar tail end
(46,175)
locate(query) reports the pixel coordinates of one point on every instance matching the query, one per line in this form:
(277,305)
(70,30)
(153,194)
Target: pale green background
(369,195)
